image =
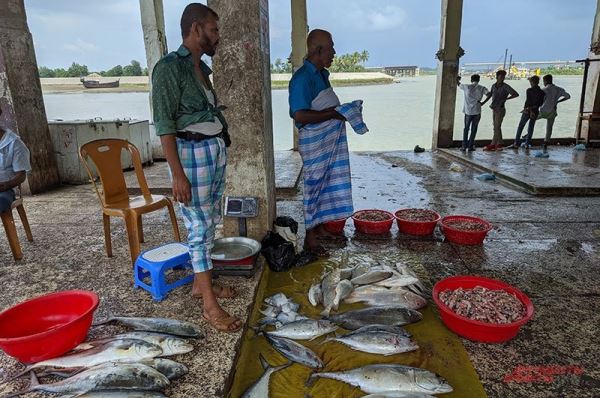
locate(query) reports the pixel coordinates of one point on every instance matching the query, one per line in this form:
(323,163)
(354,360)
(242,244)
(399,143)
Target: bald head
(320,48)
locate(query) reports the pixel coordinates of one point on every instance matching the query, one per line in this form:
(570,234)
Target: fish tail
(108,319)
(265,364)
(20,374)
(34,382)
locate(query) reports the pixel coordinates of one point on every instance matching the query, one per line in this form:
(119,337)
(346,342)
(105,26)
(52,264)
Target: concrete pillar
(155,41)
(21,95)
(299,33)
(242,80)
(447,72)
(590,127)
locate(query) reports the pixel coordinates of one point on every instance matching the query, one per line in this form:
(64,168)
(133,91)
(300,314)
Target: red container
(465,237)
(336,226)
(47,326)
(373,227)
(419,228)
(476,330)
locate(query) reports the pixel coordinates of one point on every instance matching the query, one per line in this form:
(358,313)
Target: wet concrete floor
(545,246)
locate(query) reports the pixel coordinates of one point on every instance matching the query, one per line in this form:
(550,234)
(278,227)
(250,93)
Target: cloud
(81,46)
(385,18)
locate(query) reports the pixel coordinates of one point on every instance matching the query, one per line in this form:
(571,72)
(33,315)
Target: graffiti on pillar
(7,118)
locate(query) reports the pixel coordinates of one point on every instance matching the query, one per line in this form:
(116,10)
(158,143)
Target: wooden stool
(11,230)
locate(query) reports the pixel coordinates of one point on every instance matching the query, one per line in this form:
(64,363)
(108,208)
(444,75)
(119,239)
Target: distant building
(401,71)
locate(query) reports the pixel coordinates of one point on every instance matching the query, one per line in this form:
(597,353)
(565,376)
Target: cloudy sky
(104,33)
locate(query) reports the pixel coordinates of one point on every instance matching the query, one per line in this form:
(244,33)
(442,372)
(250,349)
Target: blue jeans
(6,199)
(471,121)
(524,119)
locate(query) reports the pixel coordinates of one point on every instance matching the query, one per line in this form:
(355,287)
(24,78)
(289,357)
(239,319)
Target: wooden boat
(97,84)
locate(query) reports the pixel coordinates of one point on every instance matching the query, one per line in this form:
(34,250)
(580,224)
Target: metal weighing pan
(234,249)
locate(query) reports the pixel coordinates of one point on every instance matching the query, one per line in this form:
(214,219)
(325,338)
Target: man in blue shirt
(305,86)
(14,165)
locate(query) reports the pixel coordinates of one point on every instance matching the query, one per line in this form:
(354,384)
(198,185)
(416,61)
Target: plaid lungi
(204,165)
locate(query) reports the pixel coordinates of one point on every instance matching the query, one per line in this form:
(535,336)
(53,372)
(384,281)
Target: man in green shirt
(193,134)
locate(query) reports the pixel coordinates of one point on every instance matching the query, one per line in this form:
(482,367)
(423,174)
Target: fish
(342,290)
(260,389)
(270,311)
(377,342)
(295,352)
(360,269)
(381,296)
(371,276)
(122,350)
(346,273)
(306,329)
(379,378)
(315,294)
(277,300)
(399,330)
(398,280)
(290,307)
(417,287)
(160,325)
(106,376)
(389,315)
(169,344)
(398,394)
(328,285)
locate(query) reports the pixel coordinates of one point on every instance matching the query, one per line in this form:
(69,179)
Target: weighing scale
(237,255)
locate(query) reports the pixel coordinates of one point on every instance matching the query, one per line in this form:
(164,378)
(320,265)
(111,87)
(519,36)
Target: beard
(208,47)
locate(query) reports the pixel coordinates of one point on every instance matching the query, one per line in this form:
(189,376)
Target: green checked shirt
(178,98)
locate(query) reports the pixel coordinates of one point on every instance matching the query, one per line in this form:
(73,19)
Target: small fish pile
(376,285)
(280,310)
(124,365)
(484,305)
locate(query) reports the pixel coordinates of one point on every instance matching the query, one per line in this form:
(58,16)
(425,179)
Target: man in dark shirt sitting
(530,112)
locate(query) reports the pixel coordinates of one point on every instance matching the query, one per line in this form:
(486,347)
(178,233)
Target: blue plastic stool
(155,262)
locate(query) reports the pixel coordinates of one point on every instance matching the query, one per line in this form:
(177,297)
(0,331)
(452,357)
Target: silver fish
(399,394)
(277,300)
(295,352)
(306,329)
(377,342)
(169,344)
(416,287)
(398,281)
(381,296)
(346,273)
(328,285)
(390,377)
(342,290)
(123,350)
(160,325)
(360,269)
(260,389)
(399,330)
(107,376)
(391,315)
(371,276)
(315,294)
(270,312)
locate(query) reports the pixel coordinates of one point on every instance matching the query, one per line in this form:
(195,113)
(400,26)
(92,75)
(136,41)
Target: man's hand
(182,189)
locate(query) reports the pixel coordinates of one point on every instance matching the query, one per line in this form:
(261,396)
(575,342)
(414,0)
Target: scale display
(242,207)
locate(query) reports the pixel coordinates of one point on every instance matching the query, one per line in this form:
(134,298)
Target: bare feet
(219,291)
(221,320)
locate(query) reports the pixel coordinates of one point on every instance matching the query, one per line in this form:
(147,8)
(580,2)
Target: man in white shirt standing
(548,110)
(472,110)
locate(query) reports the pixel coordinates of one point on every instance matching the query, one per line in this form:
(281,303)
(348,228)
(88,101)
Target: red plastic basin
(465,237)
(335,226)
(476,330)
(372,227)
(419,228)
(47,326)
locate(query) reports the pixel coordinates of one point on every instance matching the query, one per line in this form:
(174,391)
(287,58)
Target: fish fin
(264,362)
(18,375)
(311,379)
(108,319)
(33,380)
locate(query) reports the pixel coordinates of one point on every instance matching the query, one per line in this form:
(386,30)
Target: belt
(190,136)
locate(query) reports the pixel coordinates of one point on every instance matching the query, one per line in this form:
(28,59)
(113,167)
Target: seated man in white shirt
(548,110)
(14,165)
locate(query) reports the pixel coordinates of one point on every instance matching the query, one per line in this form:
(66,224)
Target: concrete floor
(546,246)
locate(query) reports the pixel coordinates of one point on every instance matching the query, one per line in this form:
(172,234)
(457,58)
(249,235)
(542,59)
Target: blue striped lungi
(204,165)
(326,172)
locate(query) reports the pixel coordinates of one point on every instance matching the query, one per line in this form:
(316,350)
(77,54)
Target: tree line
(352,62)
(77,70)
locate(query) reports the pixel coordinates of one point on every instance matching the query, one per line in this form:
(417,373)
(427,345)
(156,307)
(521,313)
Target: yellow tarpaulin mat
(440,350)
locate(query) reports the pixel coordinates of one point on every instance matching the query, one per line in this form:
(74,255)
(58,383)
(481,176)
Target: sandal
(220,292)
(222,323)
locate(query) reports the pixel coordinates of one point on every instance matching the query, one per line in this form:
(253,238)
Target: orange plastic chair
(10,228)
(114,198)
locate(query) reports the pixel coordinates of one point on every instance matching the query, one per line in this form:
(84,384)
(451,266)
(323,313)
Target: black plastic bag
(279,253)
(285,221)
